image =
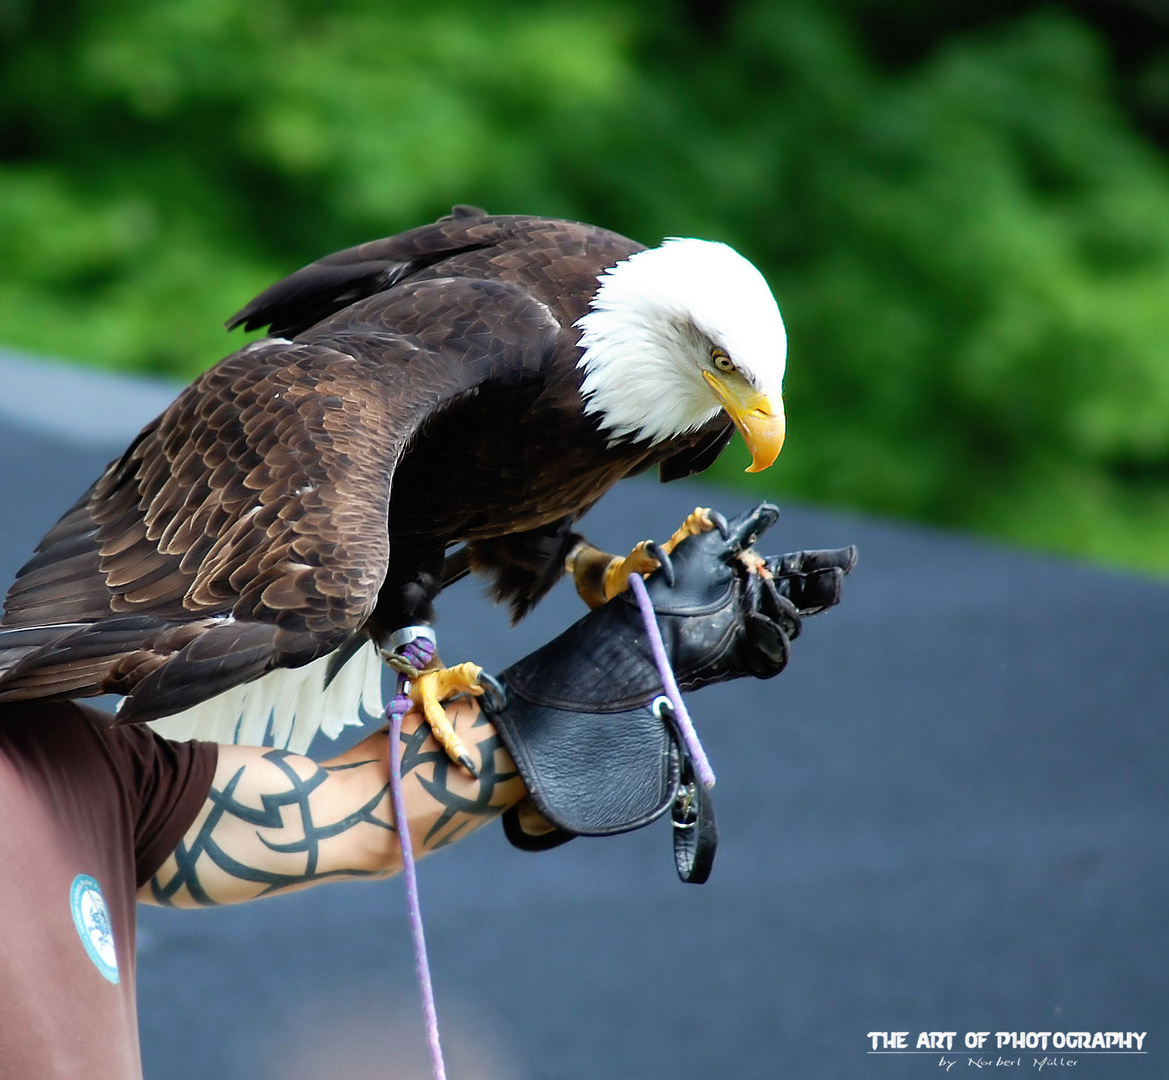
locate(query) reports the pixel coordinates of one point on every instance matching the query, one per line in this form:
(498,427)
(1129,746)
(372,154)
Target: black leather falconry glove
(585,718)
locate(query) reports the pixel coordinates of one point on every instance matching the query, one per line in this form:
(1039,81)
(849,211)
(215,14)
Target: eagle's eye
(720,360)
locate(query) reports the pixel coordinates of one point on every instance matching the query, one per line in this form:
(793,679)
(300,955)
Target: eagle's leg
(406,600)
(600,576)
(437,685)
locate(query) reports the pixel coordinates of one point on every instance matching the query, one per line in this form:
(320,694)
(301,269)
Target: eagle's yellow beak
(759,419)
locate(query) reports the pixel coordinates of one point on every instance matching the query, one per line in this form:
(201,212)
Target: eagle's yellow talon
(638,561)
(599,576)
(697,522)
(431,689)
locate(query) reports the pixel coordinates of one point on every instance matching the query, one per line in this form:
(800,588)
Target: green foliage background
(963,206)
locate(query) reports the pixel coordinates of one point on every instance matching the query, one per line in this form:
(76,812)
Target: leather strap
(526,841)
(695,841)
(692,815)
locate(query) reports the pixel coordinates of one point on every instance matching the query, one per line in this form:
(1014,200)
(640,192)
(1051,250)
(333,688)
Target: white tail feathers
(287,706)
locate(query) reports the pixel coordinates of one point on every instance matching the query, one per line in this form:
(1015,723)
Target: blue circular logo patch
(92,919)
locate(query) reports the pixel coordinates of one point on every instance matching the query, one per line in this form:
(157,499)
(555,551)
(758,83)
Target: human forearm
(276,821)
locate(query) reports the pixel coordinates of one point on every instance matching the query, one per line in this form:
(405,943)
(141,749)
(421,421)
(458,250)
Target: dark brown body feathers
(305,491)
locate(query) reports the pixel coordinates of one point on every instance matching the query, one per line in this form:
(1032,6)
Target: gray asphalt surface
(949,814)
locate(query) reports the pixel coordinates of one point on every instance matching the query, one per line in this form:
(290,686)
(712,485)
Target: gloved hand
(583,717)
(723,610)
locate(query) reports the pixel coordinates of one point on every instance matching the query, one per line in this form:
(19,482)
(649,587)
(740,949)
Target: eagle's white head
(676,333)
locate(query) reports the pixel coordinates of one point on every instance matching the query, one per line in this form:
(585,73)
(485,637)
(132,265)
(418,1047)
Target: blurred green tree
(963,207)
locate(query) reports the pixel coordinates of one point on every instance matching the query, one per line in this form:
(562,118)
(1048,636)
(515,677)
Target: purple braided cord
(417,653)
(669,683)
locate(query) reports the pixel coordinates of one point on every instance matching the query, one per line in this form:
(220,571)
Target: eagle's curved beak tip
(760,419)
(763,429)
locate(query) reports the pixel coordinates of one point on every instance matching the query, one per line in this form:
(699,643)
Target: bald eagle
(481,381)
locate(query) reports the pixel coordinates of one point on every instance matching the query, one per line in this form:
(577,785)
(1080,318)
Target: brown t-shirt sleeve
(166,784)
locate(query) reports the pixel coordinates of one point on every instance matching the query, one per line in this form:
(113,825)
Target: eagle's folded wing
(244,530)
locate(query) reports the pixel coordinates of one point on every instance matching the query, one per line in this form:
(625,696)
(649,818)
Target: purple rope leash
(418,653)
(670,684)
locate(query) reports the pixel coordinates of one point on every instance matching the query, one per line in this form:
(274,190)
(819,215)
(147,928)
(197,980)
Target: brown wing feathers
(249,526)
(313,293)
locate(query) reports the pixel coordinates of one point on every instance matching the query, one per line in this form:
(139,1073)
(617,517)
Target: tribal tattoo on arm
(276,821)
